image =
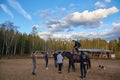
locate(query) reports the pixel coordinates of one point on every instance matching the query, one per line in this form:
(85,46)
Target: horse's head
(63,53)
(66,54)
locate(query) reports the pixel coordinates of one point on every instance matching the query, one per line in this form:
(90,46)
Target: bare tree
(9,35)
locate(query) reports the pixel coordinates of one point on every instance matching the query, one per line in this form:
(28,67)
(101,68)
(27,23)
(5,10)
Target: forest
(13,42)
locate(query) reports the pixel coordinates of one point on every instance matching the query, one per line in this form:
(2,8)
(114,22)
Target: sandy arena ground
(20,69)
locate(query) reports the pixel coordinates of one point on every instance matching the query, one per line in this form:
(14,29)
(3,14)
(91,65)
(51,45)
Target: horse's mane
(67,54)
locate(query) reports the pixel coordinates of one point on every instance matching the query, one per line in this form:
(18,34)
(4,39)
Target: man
(34,59)
(88,60)
(71,62)
(76,45)
(55,58)
(83,62)
(46,60)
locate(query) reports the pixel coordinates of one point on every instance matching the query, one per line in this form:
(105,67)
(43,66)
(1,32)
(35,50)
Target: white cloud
(88,20)
(108,1)
(116,25)
(6,10)
(58,27)
(35,26)
(100,4)
(45,35)
(66,36)
(108,34)
(51,21)
(113,33)
(61,36)
(45,13)
(87,16)
(18,7)
(48,13)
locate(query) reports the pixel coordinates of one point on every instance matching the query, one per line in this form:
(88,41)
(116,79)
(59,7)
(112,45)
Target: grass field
(20,69)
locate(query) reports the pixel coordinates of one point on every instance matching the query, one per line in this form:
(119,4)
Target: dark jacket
(55,56)
(77,44)
(83,58)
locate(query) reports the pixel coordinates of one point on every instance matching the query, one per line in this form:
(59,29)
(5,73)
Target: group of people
(58,60)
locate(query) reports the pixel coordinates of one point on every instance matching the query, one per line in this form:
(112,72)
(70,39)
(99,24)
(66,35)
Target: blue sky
(64,19)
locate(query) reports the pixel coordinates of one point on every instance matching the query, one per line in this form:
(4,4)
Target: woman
(60,62)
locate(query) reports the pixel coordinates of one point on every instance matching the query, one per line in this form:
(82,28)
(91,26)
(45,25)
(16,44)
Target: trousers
(83,69)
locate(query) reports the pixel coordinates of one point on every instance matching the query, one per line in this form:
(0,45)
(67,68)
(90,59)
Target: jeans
(46,60)
(34,66)
(60,66)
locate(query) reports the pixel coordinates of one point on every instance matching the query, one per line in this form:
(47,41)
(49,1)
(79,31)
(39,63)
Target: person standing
(76,45)
(46,60)
(60,62)
(55,58)
(83,62)
(34,60)
(71,62)
(88,60)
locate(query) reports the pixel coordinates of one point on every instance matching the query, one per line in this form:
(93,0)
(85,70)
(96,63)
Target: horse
(72,61)
(73,58)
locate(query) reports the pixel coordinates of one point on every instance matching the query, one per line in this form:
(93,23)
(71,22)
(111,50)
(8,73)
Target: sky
(64,19)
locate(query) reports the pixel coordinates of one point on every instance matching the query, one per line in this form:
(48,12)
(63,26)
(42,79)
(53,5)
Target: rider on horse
(76,52)
(76,45)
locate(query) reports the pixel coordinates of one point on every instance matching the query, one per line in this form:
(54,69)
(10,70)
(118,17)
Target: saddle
(76,58)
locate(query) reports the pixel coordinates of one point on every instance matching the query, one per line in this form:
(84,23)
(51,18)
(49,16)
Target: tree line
(13,42)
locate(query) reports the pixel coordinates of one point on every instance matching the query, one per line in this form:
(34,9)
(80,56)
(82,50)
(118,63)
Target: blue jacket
(46,56)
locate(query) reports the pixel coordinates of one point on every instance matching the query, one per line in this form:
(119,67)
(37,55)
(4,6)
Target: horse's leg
(89,64)
(69,67)
(73,67)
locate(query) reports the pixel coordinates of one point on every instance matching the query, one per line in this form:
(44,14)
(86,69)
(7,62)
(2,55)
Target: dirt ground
(20,69)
